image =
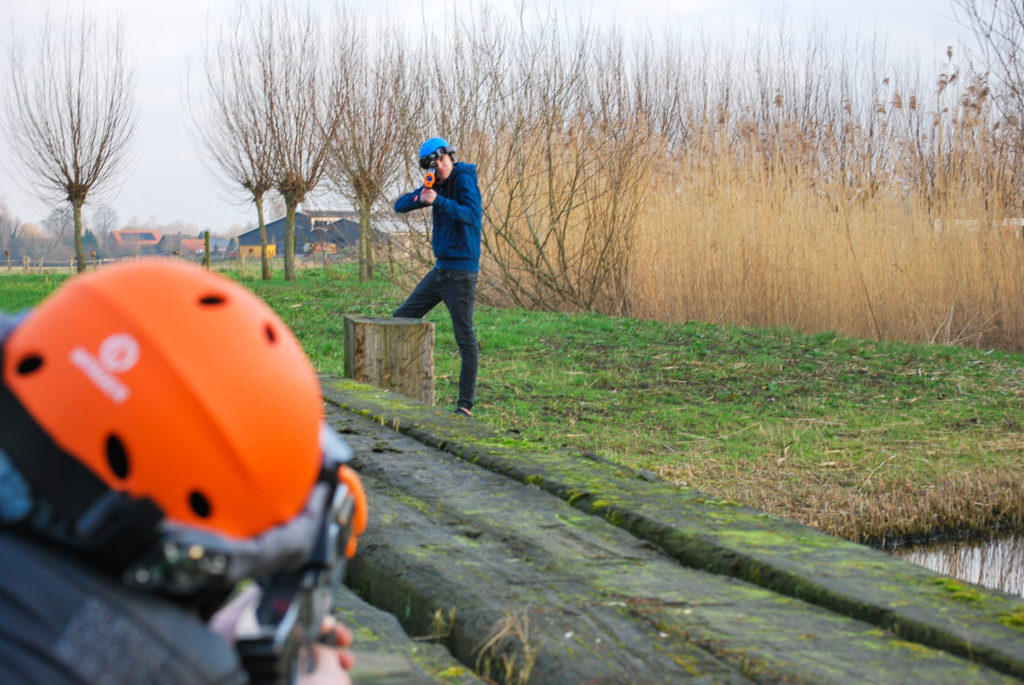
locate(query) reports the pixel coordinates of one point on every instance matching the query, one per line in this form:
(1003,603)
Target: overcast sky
(167,181)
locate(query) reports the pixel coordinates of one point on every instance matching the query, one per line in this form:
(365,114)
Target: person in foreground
(451,191)
(161,440)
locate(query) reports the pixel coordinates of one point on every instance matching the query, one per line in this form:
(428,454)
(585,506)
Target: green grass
(860,438)
(20,291)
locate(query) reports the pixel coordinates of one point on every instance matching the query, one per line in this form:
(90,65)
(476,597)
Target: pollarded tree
(70,113)
(373,140)
(230,117)
(302,95)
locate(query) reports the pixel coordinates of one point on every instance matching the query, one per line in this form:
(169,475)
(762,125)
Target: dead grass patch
(871,505)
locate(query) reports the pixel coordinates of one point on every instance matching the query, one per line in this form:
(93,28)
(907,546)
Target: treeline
(787,176)
(53,239)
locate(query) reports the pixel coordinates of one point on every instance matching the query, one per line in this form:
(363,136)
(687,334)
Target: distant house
(255,250)
(322,217)
(188,245)
(400,232)
(193,245)
(136,240)
(182,244)
(322,233)
(1012,227)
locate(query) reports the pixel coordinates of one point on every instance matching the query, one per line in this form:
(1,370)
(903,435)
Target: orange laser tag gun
(428,182)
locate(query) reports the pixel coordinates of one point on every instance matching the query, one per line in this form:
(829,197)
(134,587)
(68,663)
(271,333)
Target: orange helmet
(170,383)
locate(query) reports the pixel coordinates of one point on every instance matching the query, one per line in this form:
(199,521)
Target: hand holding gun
(294,604)
(428,184)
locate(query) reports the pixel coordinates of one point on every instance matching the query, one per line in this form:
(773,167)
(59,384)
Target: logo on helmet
(117,354)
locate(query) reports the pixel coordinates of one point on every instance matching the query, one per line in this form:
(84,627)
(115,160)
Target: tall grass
(726,240)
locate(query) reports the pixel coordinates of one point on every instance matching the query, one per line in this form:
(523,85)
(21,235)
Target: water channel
(997,563)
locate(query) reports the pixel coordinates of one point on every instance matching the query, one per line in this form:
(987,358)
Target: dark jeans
(457,289)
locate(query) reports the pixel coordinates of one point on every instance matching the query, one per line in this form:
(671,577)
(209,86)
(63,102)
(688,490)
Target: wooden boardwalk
(488,561)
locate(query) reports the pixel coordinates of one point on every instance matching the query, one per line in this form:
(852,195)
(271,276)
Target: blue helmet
(434,149)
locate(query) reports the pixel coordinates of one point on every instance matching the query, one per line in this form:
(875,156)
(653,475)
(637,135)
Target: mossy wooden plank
(386,655)
(722,537)
(461,553)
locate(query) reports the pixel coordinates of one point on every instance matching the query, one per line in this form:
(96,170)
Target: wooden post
(395,354)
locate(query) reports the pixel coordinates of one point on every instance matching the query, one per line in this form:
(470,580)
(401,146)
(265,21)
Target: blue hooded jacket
(457,215)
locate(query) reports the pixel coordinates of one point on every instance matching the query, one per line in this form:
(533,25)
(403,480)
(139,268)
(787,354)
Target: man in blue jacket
(454,198)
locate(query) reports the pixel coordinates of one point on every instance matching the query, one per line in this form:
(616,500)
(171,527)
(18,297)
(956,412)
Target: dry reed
(725,240)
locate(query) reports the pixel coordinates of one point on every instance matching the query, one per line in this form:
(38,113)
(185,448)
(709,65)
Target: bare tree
(301,90)
(58,233)
(230,116)
(70,113)
(548,113)
(998,26)
(11,233)
(373,140)
(104,218)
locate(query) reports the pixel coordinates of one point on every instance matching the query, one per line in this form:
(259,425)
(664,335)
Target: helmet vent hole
(271,335)
(30,364)
(117,457)
(212,300)
(200,505)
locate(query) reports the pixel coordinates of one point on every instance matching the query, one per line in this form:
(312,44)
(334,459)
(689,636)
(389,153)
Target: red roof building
(138,239)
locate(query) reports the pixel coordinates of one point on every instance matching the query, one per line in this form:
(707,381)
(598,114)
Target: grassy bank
(863,439)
